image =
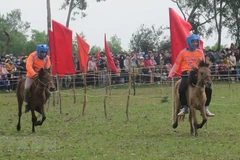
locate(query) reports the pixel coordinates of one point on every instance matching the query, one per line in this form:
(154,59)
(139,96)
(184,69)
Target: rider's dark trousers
(183,88)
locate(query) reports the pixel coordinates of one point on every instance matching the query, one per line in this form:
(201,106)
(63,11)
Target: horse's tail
(20,83)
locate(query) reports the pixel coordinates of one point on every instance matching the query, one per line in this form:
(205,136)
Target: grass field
(147,135)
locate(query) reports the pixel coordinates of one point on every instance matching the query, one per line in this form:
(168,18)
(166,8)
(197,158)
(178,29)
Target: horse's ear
(208,64)
(49,70)
(41,73)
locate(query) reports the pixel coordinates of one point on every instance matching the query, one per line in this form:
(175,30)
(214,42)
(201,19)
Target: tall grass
(147,135)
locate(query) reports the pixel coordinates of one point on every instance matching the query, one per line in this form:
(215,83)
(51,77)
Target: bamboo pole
(94,78)
(74,89)
(134,82)
(106,94)
(161,72)
(173,99)
(129,88)
(85,94)
(59,94)
(109,82)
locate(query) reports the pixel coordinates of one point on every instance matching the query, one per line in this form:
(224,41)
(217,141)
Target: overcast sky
(120,17)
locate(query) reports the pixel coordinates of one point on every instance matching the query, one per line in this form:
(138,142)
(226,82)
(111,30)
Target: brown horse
(196,96)
(39,95)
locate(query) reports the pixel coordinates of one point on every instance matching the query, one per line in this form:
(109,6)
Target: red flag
(110,62)
(83,49)
(201,45)
(63,49)
(52,52)
(179,30)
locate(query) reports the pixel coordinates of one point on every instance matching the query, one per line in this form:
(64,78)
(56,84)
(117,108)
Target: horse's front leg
(193,121)
(43,115)
(204,117)
(34,120)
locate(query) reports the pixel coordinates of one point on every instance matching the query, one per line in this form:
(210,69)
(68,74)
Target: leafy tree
(215,47)
(16,28)
(17,43)
(219,6)
(164,44)
(115,44)
(198,13)
(206,16)
(36,38)
(75,7)
(3,27)
(15,23)
(145,39)
(232,21)
(94,49)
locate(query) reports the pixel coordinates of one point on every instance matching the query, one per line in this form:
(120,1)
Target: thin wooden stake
(59,94)
(134,82)
(74,89)
(129,88)
(106,94)
(85,94)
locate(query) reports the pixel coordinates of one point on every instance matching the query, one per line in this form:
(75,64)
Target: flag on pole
(63,49)
(179,30)
(83,48)
(110,61)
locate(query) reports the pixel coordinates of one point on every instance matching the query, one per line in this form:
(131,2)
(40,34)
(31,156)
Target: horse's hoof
(18,128)
(39,123)
(175,125)
(199,126)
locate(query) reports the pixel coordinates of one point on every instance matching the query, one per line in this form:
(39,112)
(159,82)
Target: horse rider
(186,60)
(35,61)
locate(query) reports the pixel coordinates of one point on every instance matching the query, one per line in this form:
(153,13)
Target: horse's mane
(192,78)
(203,63)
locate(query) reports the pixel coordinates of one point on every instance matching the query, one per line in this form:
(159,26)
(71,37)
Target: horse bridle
(45,84)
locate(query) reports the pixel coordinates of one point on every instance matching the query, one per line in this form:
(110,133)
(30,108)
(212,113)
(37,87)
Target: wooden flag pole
(74,88)
(85,94)
(106,94)
(59,94)
(129,88)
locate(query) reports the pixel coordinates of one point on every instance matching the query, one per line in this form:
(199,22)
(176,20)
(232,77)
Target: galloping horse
(39,96)
(196,96)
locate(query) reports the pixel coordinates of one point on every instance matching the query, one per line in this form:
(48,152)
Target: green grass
(147,135)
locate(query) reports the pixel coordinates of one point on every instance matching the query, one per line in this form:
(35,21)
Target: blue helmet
(191,38)
(42,48)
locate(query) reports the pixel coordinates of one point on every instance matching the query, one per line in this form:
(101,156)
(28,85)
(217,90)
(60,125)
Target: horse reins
(45,84)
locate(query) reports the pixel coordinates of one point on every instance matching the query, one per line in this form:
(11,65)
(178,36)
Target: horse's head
(46,79)
(200,75)
(204,72)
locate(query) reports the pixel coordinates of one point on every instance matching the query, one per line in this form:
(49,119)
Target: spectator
(232,60)
(10,68)
(147,68)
